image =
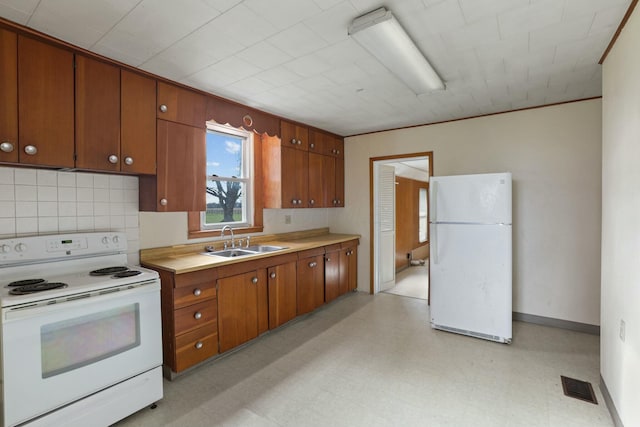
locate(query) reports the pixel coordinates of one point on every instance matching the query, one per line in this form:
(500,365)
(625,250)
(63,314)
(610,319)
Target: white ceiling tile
(365,6)
(576,8)
(307,66)
(297,41)
(328,4)
(559,33)
(516,45)
(79,22)
(479,33)
(586,50)
(242,25)
(332,24)
(18,10)
(346,74)
(435,19)
(249,87)
(279,76)
(314,84)
(523,19)
(222,5)
(152,27)
(264,55)
(474,10)
(609,19)
(283,13)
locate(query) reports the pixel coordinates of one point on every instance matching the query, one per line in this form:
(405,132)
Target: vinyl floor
(374,361)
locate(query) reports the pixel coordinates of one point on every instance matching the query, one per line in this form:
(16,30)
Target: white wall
(43,201)
(620,361)
(168,229)
(554,155)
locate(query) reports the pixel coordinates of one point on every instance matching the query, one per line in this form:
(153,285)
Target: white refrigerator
(470,255)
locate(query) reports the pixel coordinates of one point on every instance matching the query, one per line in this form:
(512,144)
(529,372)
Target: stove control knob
(5,249)
(115,239)
(105,240)
(21,247)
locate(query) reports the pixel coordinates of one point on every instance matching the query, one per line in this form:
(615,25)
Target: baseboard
(557,323)
(610,405)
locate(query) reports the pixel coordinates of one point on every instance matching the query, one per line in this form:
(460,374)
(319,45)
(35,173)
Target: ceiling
(417,169)
(294,58)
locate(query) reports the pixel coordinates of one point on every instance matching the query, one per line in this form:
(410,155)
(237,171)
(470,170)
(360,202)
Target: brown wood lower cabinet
(189,318)
(310,280)
(282,294)
(214,310)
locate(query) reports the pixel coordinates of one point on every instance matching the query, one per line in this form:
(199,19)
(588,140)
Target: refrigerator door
(471,277)
(478,199)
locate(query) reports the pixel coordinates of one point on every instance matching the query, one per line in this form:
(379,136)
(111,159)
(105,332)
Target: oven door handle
(75,302)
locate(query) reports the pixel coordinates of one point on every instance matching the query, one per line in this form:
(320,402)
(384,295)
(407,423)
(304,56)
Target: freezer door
(470,268)
(483,198)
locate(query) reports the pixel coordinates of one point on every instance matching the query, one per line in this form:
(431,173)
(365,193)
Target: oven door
(56,354)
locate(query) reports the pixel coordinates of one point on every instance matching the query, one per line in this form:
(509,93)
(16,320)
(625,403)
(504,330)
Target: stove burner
(26,282)
(38,287)
(108,271)
(128,273)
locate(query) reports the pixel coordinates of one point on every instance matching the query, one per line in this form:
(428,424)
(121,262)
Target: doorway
(403,204)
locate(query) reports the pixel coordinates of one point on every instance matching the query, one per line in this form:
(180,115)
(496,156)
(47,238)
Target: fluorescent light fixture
(380,33)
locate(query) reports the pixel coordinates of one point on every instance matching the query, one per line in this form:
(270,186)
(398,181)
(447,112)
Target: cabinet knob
(312,145)
(128,160)
(338,202)
(254,280)
(197,292)
(312,202)
(293,141)
(337,151)
(299,142)
(197,315)
(163,202)
(6,146)
(198,345)
(272,275)
(294,202)
(113,159)
(30,150)
(163,108)
(299,201)
(5,249)
(313,264)
(327,259)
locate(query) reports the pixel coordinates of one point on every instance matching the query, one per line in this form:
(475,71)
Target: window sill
(199,234)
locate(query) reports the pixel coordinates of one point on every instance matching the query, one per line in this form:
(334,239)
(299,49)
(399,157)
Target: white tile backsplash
(39,201)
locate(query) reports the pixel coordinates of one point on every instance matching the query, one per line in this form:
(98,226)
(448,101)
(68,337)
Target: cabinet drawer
(195,316)
(196,346)
(191,294)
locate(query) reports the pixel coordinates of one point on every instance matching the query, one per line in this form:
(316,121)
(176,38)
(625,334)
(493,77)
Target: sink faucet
(233,241)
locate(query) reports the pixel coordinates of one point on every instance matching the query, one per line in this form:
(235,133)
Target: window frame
(255,223)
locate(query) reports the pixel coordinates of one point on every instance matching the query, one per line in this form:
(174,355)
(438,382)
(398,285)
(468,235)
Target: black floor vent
(579,389)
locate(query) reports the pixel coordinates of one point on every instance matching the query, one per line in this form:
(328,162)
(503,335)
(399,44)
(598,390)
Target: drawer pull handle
(313,264)
(198,345)
(197,292)
(197,316)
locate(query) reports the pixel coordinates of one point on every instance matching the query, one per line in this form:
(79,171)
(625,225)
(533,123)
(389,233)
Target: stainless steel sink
(230,253)
(264,248)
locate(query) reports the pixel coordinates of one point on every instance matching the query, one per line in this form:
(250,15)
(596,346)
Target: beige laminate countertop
(194,261)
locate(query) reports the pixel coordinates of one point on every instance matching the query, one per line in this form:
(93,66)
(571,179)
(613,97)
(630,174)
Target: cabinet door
(97,115)
(316,181)
(181,184)
(237,309)
(9,91)
(339,182)
(294,136)
(282,294)
(352,275)
(310,284)
(332,275)
(45,104)
(138,127)
(329,181)
(295,177)
(181,105)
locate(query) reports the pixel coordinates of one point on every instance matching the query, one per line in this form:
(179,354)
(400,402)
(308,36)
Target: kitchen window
(233,174)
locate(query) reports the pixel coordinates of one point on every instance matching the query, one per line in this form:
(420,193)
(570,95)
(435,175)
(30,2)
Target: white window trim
(248,166)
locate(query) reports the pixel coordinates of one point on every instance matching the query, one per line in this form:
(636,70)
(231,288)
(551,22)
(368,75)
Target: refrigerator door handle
(434,244)
(434,201)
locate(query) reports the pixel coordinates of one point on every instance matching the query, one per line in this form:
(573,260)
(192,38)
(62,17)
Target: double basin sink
(246,251)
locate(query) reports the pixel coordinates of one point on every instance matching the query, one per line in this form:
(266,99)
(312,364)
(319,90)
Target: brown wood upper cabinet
(9,91)
(97,115)
(180,182)
(45,104)
(294,135)
(326,169)
(138,123)
(181,105)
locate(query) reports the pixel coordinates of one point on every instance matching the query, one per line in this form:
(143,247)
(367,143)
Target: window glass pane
(225,202)
(224,155)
